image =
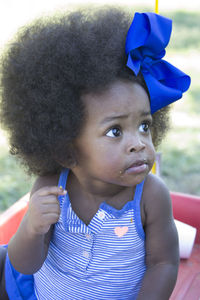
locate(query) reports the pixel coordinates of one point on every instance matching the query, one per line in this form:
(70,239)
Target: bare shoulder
(156,199)
(43,181)
(155,187)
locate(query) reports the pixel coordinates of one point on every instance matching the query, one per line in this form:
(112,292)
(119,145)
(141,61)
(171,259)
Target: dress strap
(137,201)
(63,178)
(138,192)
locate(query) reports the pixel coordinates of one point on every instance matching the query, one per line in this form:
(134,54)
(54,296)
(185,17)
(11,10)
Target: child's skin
(114,153)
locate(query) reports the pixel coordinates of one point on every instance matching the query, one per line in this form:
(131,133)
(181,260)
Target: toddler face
(115,144)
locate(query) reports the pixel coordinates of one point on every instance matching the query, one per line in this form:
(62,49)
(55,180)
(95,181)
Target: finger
(51,208)
(49,199)
(51,218)
(51,190)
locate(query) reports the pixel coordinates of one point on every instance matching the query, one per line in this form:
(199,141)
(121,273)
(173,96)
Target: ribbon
(146,41)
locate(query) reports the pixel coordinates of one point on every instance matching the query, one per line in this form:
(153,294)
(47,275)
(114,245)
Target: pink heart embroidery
(121,231)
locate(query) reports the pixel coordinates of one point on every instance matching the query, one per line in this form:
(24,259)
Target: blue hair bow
(146,40)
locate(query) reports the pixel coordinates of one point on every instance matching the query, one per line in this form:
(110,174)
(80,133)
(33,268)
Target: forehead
(122,97)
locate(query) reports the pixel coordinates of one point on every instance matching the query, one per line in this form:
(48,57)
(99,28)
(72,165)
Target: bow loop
(146,40)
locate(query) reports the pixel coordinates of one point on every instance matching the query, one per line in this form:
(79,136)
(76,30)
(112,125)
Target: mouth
(137,167)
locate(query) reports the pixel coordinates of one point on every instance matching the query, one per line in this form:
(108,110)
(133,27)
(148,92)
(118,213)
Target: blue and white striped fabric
(104,260)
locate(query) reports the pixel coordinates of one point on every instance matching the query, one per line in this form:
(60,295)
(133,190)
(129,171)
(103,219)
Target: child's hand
(44,209)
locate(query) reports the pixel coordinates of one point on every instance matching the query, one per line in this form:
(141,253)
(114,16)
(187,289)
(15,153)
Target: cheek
(108,155)
(108,158)
(97,154)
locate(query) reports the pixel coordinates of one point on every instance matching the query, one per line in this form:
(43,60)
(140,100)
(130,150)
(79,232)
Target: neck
(94,192)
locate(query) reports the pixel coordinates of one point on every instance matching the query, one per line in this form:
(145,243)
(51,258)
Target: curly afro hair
(44,72)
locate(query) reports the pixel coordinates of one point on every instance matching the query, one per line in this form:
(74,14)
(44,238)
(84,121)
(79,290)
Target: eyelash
(147,123)
(112,128)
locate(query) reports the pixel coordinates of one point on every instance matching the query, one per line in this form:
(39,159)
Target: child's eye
(114,132)
(144,127)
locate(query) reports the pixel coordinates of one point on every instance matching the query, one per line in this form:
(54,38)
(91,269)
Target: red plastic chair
(186,209)
(11,218)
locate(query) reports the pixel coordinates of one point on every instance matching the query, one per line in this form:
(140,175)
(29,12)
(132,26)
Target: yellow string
(156,7)
(153,170)
(156,11)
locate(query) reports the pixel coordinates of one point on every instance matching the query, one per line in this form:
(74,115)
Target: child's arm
(162,252)
(28,248)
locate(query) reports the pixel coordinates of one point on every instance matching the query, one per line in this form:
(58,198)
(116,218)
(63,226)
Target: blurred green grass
(186,28)
(14,182)
(180,165)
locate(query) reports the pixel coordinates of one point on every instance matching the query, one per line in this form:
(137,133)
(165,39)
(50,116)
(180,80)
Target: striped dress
(102,260)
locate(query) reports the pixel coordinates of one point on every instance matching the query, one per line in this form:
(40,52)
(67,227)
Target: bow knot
(140,61)
(146,40)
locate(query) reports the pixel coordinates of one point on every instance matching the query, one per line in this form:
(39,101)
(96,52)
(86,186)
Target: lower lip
(137,169)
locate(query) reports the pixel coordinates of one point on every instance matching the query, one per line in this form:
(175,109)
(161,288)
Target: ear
(66,157)
(68,162)
(72,164)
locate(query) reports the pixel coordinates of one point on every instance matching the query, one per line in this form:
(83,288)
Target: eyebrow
(112,118)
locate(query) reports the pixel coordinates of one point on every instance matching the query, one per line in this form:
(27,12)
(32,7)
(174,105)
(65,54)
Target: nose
(135,144)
